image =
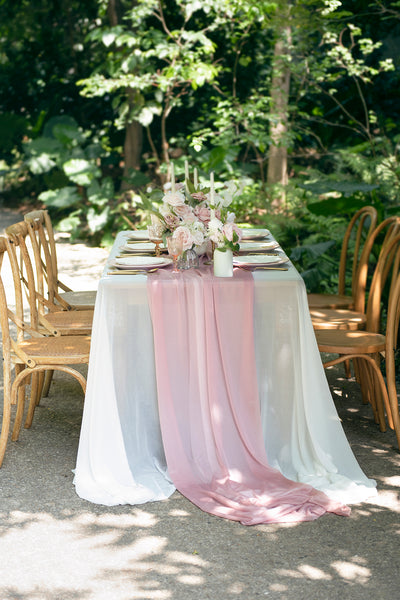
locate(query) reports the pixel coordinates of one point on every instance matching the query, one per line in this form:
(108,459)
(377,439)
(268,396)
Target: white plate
(141,262)
(138,234)
(259,259)
(140,247)
(254,234)
(250,246)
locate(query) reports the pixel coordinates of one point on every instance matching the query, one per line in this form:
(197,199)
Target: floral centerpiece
(199,217)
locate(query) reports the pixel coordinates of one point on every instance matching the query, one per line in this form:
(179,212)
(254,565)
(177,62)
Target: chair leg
(366,385)
(47,382)
(41,376)
(5,424)
(347,369)
(377,392)
(18,398)
(379,404)
(393,396)
(394,406)
(358,377)
(37,380)
(18,369)
(369,392)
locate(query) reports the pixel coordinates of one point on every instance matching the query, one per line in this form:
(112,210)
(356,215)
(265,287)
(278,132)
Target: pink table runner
(209,405)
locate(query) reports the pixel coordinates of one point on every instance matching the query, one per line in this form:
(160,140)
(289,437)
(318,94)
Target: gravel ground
(55,546)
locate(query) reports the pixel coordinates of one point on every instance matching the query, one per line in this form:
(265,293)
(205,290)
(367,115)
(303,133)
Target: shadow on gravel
(70,548)
(56,546)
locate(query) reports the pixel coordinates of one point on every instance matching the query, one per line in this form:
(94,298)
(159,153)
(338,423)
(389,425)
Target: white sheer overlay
(121,458)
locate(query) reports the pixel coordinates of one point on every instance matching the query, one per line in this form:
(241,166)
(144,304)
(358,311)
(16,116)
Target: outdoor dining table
(121,456)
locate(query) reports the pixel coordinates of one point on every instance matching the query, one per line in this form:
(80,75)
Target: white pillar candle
(195,180)
(172,177)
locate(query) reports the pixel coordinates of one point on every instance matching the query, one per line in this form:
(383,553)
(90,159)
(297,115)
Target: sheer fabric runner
(209,406)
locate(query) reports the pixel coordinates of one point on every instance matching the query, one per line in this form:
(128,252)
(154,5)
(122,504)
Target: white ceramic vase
(223,263)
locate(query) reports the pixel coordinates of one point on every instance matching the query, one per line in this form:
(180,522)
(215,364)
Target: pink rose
(171,220)
(199,196)
(185,212)
(202,212)
(183,234)
(228,230)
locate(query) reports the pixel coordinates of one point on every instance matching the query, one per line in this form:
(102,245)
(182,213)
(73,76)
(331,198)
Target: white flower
(176,198)
(184,234)
(198,230)
(215,230)
(230,192)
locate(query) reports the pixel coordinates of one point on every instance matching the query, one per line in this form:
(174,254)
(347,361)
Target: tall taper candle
(212,187)
(172,177)
(186,175)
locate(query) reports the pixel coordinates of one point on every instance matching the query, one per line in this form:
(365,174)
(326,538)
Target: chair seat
(80,300)
(329,301)
(350,342)
(73,322)
(329,318)
(57,350)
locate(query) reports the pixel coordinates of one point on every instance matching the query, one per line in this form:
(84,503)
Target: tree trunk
(114,12)
(133,143)
(280,85)
(132,150)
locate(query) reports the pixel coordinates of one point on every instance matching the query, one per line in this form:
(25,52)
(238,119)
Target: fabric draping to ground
(209,404)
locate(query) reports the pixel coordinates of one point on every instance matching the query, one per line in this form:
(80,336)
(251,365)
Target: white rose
(176,198)
(215,230)
(184,234)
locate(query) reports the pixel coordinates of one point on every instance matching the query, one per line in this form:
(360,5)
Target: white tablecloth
(120,457)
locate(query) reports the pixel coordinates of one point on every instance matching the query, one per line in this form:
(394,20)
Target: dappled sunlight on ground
(56,546)
(171,550)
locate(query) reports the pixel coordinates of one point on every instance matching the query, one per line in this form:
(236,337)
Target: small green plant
(81,195)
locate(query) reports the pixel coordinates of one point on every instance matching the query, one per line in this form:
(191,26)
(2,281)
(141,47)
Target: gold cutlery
(131,271)
(262,268)
(267,252)
(130,254)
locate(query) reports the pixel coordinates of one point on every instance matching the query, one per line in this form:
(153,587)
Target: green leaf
(334,206)
(311,250)
(81,171)
(70,223)
(62,198)
(40,164)
(63,120)
(97,221)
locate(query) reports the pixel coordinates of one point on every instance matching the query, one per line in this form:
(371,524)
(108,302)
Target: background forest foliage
(296,99)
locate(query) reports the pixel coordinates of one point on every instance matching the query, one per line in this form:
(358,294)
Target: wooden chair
(367,346)
(341,318)
(360,231)
(51,317)
(40,227)
(52,320)
(29,350)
